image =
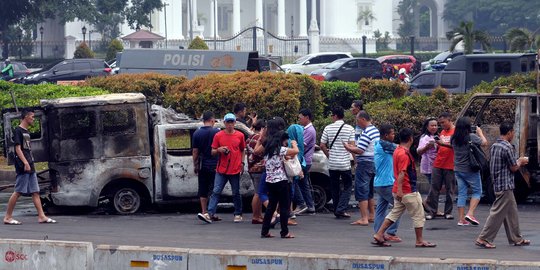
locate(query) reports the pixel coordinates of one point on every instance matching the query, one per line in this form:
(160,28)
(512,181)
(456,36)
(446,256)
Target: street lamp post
(41,33)
(83,29)
(215,23)
(165,11)
(20,46)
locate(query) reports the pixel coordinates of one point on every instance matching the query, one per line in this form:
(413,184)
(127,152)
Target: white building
(336,21)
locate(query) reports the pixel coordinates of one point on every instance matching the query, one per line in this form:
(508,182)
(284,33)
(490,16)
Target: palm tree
(521,39)
(365,17)
(466,33)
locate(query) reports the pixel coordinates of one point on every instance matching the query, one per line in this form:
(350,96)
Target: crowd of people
(382,167)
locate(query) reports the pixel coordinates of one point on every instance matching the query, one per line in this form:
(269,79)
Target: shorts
(26,183)
(412,203)
(206,182)
(363,180)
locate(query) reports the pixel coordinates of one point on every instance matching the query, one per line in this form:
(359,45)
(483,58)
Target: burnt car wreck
(119,149)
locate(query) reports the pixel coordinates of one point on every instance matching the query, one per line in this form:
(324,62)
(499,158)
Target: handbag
(477,157)
(292,167)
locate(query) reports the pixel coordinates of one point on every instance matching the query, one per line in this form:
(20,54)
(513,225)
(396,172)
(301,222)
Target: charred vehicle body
(117,148)
(488,111)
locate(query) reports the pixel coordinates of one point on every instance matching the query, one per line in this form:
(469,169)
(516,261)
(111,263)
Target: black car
(19,69)
(349,70)
(69,70)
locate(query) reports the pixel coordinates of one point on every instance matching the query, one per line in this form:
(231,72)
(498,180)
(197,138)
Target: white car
(308,63)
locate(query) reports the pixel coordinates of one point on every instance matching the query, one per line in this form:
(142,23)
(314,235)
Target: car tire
(321,190)
(126,200)
(42,82)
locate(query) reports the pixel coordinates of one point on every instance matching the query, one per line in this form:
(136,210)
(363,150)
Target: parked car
(401,61)
(440,61)
(349,70)
(308,63)
(19,69)
(69,70)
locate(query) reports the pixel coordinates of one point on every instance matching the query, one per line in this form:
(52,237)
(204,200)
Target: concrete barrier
(235,260)
(515,265)
(39,254)
(130,257)
(301,261)
(402,263)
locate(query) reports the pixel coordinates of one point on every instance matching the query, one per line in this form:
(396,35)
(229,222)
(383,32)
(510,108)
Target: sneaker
(215,218)
(429,217)
(292,216)
(448,216)
(237,219)
(464,223)
(472,220)
(300,210)
(205,217)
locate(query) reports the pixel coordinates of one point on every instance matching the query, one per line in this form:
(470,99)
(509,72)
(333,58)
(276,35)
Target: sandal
(288,236)
(485,244)
(379,243)
(268,235)
(426,245)
(523,242)
(392,238)
(13,222)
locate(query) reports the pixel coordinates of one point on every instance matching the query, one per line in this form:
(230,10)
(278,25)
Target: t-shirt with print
(274,167)
(231,163)
(22,137)
(366,143)
(255,162)
(384,165)
(202,140)
(404,162)
(445,155)
(339,158)
(462,162)
(426,163)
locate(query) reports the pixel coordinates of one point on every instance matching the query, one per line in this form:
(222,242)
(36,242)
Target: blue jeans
(428,176)
(383,204)
(219,184)
(466,180)
(303,190)
(363,180)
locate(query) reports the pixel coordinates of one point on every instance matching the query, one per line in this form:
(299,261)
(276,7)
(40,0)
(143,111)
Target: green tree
(408,25)
(137,15)
(521,39)
(495,15)
(198,44)
(365,17)
(466,33)
(114,47)
(382,42)
(11,13)
(83,51)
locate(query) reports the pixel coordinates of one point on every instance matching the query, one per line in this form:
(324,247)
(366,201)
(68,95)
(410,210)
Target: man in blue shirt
(384,180)
(204,163)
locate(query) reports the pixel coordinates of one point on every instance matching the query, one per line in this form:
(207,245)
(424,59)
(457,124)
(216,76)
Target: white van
(311,62)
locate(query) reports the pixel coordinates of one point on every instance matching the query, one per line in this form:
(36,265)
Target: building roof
(143,35)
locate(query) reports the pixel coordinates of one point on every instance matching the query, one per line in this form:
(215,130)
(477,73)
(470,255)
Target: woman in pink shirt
(427,148)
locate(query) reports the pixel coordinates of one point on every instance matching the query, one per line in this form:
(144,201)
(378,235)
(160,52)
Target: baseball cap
(229,117)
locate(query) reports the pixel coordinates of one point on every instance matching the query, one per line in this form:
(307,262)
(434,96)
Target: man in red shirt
(406,196)
(443,171)
(229,144)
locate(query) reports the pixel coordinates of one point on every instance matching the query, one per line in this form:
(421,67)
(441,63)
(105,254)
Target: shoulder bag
(332,143)
(292,166)
(477,157)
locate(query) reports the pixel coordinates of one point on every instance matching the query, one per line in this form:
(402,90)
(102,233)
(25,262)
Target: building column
(323,17)
(236,17)
(174,20)
(213,18)
(259,13)
(197,29)
(314,29)
(281,18)
(302,17)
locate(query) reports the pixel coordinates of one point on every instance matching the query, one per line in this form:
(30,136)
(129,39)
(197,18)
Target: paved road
(321,233)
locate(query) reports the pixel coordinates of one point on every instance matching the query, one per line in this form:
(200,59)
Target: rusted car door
(38,134)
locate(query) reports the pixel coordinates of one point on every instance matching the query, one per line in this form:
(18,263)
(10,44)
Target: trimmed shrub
(339,93)
(374,90)
(114,47)
(83,51)
(30,95)
(269,94)
(198,44)
(152,85)
(519,82)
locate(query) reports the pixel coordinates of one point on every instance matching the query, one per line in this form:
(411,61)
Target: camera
(226,151)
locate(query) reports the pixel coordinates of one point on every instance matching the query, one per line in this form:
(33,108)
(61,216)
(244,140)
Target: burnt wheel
(126,200)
